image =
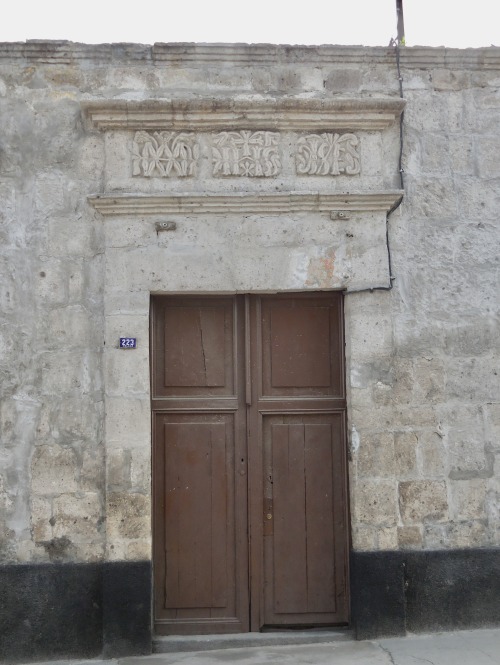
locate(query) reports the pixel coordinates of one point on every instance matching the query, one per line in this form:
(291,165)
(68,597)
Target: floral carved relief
(327,154)
(246,153)
(164,154)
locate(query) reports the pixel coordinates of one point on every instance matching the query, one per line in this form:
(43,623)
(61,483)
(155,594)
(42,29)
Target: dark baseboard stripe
(396,592)
(65,610)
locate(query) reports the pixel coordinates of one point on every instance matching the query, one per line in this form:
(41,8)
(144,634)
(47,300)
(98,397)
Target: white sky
(454,23)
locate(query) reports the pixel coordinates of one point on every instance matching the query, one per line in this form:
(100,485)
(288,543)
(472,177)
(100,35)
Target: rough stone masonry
(278,169)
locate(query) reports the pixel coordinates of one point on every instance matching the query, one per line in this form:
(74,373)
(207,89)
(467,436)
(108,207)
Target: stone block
(140,470)
(51,282)
(118,470)
(128,422)
(432,454)
(446,79)
(409,537)
(64,372)
(131,233)
(54,470)
(69,327)
(387,538)
(342,80)
(49,193)
(375,458)
(472,338)
(364,538)
(92,472)
(128,516)
(462,154)
(467,456)
(41,518)
(139,550)
(461,535)
(71,235)
(374,502)
(432,198)
(370,334)
(77,517)
(423,501)
(429,380)
(405,454)
(468,499)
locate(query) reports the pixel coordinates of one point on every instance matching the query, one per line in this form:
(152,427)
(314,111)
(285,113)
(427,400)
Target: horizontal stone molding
(225,114)
(234,55)
(263,204)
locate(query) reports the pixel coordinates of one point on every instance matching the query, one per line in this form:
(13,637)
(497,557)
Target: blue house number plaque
(128,342)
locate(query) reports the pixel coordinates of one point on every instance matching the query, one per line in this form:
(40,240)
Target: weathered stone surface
(128,516)
(422,501)
(54,470)
(375,502)
(421,359)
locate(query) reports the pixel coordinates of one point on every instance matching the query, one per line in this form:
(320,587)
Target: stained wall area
(81,197)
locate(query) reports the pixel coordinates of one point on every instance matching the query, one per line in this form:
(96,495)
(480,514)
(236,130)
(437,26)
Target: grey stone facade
(278,166)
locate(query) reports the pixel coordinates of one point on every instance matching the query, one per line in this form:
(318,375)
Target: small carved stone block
(246,153)
(164,154)
(327,154)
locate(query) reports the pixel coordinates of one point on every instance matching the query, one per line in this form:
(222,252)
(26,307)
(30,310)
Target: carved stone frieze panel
(328,154)
(246,153)
(164,154)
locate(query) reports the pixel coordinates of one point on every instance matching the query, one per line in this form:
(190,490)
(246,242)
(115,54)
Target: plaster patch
(320,271)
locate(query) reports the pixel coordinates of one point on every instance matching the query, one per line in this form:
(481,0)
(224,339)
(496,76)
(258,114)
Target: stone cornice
(217,114)
(262,204)
(231,55)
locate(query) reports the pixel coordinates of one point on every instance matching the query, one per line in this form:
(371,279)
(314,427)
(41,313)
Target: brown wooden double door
(249,470)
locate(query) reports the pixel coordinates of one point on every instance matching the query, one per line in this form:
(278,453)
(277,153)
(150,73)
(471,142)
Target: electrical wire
(397,47)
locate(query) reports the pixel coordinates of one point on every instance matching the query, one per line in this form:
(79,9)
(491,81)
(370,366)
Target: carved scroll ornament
(246,153)
(327,154)
(164,154)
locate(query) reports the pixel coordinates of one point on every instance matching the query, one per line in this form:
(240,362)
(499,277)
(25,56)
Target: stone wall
(422,357)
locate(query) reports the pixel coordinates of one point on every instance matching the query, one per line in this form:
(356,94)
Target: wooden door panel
(199,466)
(194,347)
(197,502)
(304,492)
(297,420)
(301,355)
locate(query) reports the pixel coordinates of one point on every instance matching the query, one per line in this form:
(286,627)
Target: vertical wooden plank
(171,525)
(319,518)
(248,366)
(219,498)
(290,554)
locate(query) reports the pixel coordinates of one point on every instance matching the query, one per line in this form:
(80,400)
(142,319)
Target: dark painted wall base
(396,592)
(50,611)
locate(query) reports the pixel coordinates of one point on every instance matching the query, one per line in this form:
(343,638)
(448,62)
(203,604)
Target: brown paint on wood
(249,458)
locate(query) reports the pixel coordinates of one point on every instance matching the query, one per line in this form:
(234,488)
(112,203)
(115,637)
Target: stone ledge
(263,204)
(213,114)
(231,55)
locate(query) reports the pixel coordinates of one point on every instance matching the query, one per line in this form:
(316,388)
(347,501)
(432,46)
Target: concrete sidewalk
(474,647)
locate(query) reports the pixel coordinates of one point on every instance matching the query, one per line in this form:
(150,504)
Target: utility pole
(401,22)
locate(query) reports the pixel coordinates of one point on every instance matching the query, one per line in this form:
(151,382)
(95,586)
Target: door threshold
(277,637)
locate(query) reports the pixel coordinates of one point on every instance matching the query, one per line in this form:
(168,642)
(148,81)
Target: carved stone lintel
(327,154)
(164,154)
(246,153)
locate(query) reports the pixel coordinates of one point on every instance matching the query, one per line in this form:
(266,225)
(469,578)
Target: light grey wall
(422,359)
